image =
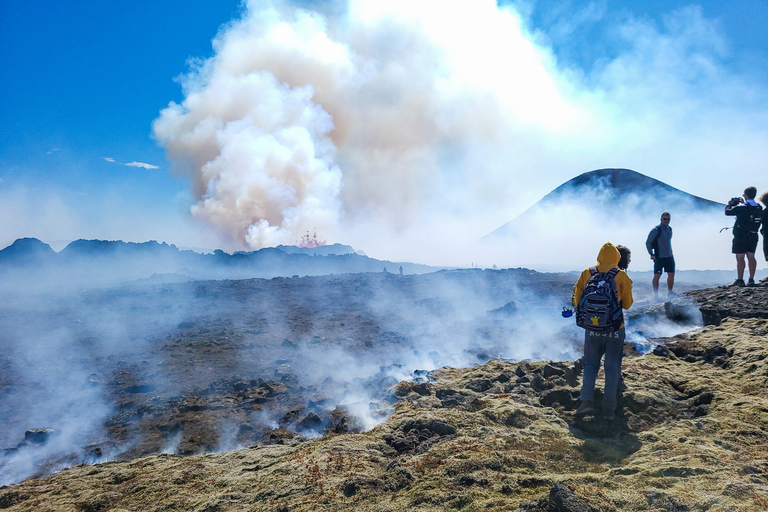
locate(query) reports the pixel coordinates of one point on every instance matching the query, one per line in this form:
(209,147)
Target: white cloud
(142,165)
(132,164)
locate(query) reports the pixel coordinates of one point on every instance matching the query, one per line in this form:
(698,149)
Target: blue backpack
(599,309)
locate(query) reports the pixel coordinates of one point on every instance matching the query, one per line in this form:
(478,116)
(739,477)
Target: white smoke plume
(385,93)
(411,129)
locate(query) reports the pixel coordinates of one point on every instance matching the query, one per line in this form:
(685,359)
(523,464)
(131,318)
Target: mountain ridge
(613,185)
(112,259)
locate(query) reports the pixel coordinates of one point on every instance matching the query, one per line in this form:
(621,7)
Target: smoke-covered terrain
(116,371)
(498,436)
(122,368)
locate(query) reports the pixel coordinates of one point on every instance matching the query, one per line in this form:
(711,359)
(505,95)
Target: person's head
(626,257)
(750,193)
(764,199)
(665,218)
(608,255)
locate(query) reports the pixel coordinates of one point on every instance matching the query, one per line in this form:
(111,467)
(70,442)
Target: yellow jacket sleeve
(578,288)
(624,289)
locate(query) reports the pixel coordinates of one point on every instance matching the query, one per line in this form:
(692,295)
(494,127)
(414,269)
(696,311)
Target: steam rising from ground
(79,359)
(412,129)
(63,353)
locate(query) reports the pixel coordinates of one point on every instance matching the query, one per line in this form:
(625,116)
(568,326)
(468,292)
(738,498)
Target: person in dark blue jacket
(659,246)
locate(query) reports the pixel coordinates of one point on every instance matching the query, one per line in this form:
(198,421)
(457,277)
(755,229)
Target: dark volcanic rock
(563,499)
(38,435)
(310,422)
(479,385)
(437,427)
(563,396)
(508,309)
(419,435)
(659,500)
(723,302)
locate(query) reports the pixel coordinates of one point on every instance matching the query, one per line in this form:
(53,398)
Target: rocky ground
(691,434)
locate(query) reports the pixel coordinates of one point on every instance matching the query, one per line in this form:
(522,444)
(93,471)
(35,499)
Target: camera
(734,201)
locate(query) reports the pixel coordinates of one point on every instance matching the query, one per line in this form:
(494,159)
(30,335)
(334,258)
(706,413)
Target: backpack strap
(613,273)
(593,270)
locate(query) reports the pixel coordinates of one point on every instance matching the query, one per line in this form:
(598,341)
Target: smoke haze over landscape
(464,161)
(404,132)
(103,366)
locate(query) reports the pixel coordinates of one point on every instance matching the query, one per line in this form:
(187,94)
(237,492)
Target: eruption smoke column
(257,148)
(405,104)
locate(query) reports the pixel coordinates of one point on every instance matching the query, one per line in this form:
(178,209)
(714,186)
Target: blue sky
(84,81)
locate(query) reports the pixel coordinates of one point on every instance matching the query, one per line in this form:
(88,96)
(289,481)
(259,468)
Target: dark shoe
(751,282)
(738,282)
(586,407)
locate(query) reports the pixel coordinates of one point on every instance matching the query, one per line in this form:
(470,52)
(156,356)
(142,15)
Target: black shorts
(744,243)
(660,264)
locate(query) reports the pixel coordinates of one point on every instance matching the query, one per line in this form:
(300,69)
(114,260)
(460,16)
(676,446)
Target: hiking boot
(586,407)
(738,282)
(751,282)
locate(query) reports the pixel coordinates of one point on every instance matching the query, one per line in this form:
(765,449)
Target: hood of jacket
(608,257)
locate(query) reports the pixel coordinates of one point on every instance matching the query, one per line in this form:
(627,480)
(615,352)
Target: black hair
(624,260)
(750,192)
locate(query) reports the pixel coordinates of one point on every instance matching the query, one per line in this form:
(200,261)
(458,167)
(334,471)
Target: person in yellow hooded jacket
(597,344)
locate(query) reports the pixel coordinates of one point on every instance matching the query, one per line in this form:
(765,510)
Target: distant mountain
(621,183)
(621,193)
(115,260)
(97,248)
(26,251)
(320,250)
(565,229)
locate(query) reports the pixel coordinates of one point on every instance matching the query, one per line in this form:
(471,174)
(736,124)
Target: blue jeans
(595,345)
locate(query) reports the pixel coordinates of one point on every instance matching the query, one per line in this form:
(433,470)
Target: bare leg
(752,264)
(740,265)
(655,283)
(670,280)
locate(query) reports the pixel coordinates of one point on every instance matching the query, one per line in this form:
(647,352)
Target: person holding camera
(748,219)
(659,246)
